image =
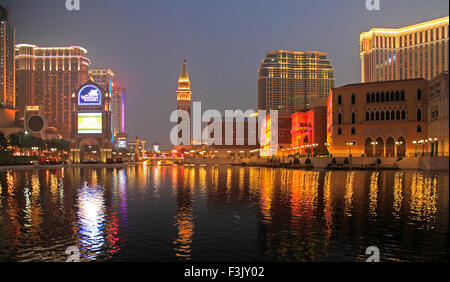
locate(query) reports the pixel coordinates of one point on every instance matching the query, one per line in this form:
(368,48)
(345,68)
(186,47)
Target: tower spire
(184,76)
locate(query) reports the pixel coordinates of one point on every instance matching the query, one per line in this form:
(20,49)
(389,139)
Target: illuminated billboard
(89,95)
(89,123)
(122,144)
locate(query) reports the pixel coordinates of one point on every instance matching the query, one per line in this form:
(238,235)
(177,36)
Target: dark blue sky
(224,41)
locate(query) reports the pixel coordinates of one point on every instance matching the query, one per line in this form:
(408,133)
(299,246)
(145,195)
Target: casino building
(382,119)
(91,128)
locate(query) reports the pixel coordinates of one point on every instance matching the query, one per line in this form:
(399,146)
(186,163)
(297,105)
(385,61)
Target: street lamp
(415,152)
(397,144)
(350,145)
(373,144)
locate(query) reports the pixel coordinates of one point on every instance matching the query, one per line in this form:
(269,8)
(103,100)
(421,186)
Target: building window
(403,115)
(387,96)
(419,94)
(382,115)
(382,96)
(339,131)
(387,115)
(377,116)
(419,128)
(377,99)
(353,118)
(392,115)
(372,98)
(398,115)
(372,116)
(367,98)
(353,131)
(397,96)
(419,115)
(353,99)
(339,100)
(392,96)
(367,116)
(339,118)
(402,95)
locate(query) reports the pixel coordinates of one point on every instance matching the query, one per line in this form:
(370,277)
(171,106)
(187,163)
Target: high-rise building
(47,77)
(7,72)
(416,51)
(290,81)
(184,94)
(103,77)
(118,109)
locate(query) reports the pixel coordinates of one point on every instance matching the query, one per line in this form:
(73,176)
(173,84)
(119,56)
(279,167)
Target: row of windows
(353,130)
(407,40)
(383,97)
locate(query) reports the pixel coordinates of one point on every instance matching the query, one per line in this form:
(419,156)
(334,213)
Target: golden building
(47,77)
(438,106)
(378,118)
(416,51)
(290,81)
(7,72)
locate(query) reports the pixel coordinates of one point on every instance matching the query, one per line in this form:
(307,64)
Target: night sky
(144,42)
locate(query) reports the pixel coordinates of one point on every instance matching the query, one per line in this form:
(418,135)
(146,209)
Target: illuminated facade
(290,81)
(378,118)
(91,123)
(416,51)
(309,130)
(184,94)
(102,77)
(7,71)
(118,109)
(274,141)
(47,77)
(438,107)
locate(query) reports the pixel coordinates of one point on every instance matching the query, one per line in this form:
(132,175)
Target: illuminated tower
(184,94)
(184,90)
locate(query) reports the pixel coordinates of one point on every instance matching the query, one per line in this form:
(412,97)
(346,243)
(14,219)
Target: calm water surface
(223,213)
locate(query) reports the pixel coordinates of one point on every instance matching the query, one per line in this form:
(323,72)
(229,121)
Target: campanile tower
(184,91)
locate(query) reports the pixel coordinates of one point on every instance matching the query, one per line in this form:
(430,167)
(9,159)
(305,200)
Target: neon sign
(89,95)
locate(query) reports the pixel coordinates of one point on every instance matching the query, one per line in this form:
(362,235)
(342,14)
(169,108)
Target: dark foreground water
(223,213)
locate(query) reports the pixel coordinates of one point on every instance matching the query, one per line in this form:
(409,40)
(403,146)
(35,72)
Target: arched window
(372,98)
(392,96)
(398,115)
(377,97)
(339,118)
(353,131)
(339,131)
(402,95)
(353,99)
(387,115)
(419,94)
(353,118)
(397,96)
(403,114)
(339,100)
(392,115)
(387,96)
(372,115)
(367,98)
(367,116)
(419,128)
(382,96)
(382,115)
(377,116)
(419,115)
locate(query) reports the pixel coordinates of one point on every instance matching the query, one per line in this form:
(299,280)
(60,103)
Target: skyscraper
(118,109)
(102,77)
(291,81)
(47,77)
(415,51)
(7,72)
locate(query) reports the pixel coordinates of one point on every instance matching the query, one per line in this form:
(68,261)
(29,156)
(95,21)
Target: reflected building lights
(373,195)
(349,193)
(398,193)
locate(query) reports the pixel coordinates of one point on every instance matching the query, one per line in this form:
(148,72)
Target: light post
(397,143)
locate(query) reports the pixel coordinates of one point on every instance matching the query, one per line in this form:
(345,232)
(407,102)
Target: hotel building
(7,72)
(416,51)
(118,109)
(438,107)
(290,81)
(47,77)
(103,77)
(378,119)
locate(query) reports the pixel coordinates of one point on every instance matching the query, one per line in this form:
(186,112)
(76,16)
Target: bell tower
(184,97)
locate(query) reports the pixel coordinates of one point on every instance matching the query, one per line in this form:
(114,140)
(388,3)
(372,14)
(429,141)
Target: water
(222,213)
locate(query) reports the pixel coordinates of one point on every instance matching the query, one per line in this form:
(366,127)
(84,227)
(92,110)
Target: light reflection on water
(222,213)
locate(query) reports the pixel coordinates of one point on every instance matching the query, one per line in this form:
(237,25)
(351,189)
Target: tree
(3,141)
